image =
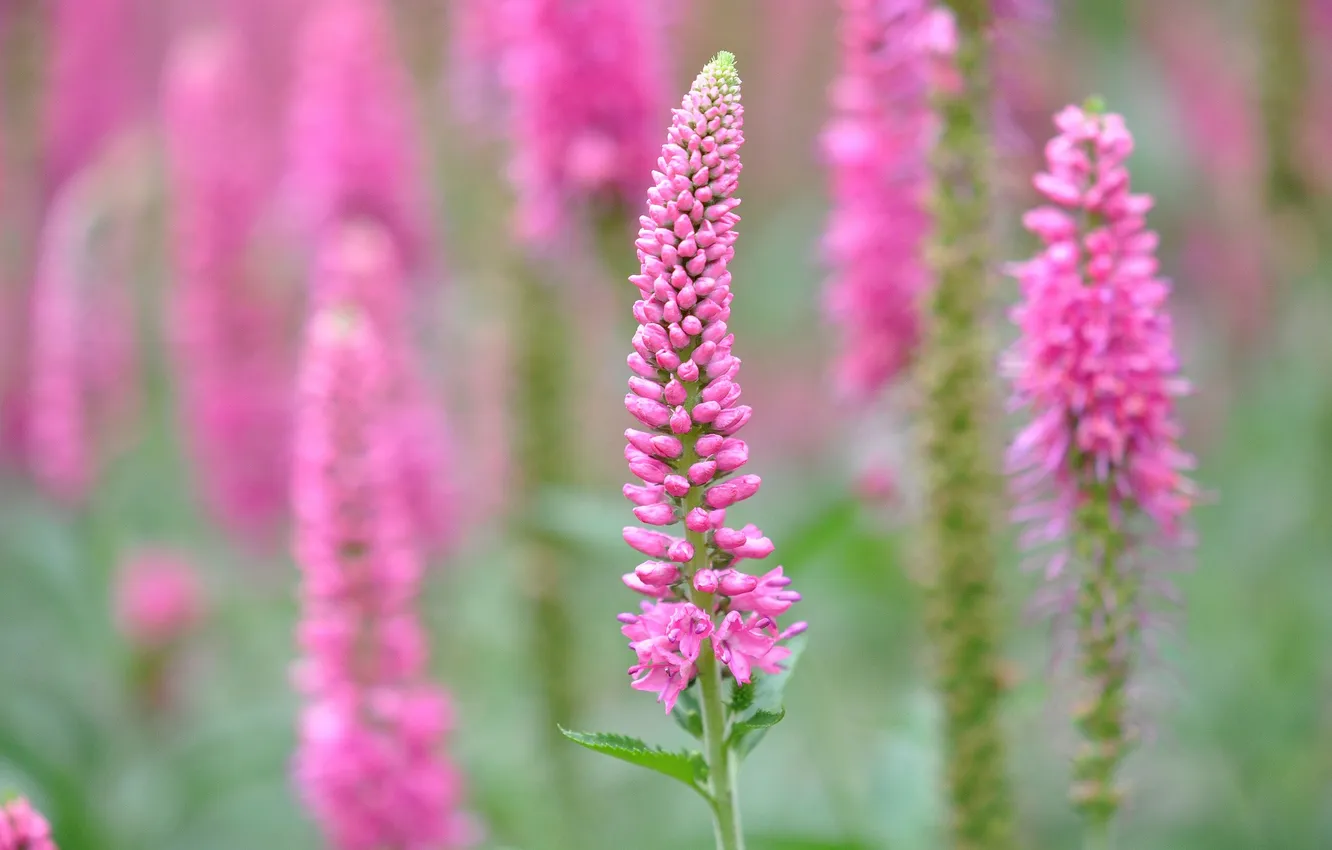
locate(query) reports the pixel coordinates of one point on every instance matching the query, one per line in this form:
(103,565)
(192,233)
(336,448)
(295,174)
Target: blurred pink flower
(91,78)
(23,828)
(686,395)
(363,268)
(876,147)
(82,355)
(371,764)
(158,598)
(354,145)
(585,80)
(1095,364)
(235,367)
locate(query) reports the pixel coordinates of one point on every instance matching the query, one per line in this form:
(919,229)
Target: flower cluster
(23,828)
(685,393)
(235,365)
(877,147)
(578,142)
(83,352)
(354,144)
(1095,363)
(371,764)
(158,599)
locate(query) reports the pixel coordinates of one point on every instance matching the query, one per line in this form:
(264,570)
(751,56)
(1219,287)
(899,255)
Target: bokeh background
(194,753)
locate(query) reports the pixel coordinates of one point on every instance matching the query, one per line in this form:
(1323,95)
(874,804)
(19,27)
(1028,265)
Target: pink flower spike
(369,710)
(1095,363)
(23,828)
(876,148)
(354,142)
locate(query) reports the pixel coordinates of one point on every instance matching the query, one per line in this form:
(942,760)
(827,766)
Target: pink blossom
(354,145)
(686,392)
(158,598)
(236,369)
(1095,364)
(876,147)
(83,355)
(770,598)
(667,638)
(742,644)
(371,764)
(585,78)
(23,828)
(90,82)
(361,265)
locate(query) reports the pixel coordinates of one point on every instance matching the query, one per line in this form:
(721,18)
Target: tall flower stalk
(877,148)
(371,765)
(355,158)
(1098,467)
(235,368)
(706,622)
(955,365)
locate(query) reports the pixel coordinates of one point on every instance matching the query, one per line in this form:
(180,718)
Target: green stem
(721,769)
(544,452)
(961,464)
(1283,96)
(1105,632)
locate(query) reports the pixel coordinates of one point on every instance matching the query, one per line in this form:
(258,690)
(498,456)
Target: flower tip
(723,66)
(1094,105)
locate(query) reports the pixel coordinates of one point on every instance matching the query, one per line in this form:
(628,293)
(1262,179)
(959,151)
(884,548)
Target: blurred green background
(1237,709)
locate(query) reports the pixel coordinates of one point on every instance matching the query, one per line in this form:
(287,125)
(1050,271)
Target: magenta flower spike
(91,79)
(371,765)
(579,141)
(23,828)
(236,370)
(877,146)
(704,620)
(82,358)
(1099,465)
(355,149)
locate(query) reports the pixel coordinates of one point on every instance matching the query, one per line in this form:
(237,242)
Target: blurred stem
(544,452)
(721,770)
(1284,93)
(1105,634)
(961,478)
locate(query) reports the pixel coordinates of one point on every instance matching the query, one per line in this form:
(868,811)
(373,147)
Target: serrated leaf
(761,720)
(687,766)
(765,708)
(688,714)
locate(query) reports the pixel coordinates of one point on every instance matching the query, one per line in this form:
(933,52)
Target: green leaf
(760,720)
(687,766)
(687,712)
(762,703)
